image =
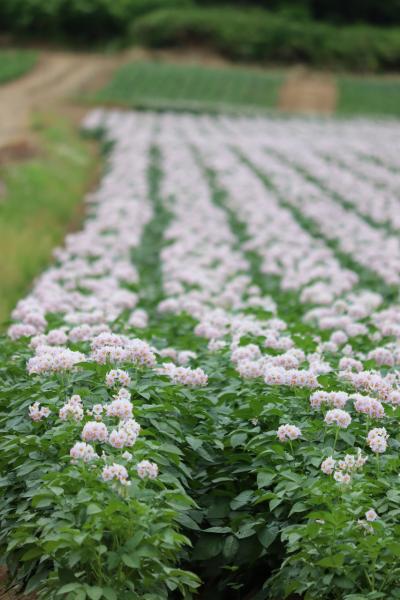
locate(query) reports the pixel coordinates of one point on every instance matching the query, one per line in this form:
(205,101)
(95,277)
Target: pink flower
(377,440)
(94,431)
(288,432)
(146,469)
(371,515)
(82,451)
(117,376)
(328,465)
(37,413)
(115,471)
(338,417)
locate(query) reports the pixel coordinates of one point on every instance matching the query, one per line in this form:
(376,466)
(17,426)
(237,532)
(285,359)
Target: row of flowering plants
(202,392)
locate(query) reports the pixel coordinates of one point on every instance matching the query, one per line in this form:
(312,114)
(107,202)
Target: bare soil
(51,85)
(11,594)
(308,93)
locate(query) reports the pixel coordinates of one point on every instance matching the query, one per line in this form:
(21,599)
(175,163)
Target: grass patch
(370,96)
(190,87)
(14,63)
(42,201)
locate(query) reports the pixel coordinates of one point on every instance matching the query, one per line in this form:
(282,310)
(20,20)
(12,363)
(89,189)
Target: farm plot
(203,391)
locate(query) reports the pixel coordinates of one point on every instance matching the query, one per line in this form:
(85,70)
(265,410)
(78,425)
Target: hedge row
(338,11)
(86,19)
(261,36)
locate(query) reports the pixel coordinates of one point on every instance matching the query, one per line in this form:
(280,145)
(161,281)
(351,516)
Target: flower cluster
(117,377)
(342,469)
(288,433)
(94,431)
(146,469)
(121,408)
(184,375)
(322,398)
(368,406)
(377,440)
(50,359)
(293,377)
(82,451)
(116,471)
(338,417)
(37,412)
(72,409)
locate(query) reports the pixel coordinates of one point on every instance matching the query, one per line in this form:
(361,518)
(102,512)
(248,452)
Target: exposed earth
(59,76)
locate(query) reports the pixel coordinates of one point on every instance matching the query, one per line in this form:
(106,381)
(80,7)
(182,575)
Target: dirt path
(57,77)
(308,93)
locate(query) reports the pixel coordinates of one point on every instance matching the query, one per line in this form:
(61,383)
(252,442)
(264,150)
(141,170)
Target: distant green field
(14,63)
(370,96)
(160,85)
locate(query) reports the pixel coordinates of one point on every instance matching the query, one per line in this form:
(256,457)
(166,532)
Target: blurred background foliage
(360,35)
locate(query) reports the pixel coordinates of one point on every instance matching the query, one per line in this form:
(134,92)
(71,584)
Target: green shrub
(336,11)
(78,18)
(262,36)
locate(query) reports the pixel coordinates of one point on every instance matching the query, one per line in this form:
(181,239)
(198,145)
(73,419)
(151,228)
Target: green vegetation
(369,96)
(258,35)
(159,85)
(162,86)
(76,19)
(14,63)
(40,203)
(353,35)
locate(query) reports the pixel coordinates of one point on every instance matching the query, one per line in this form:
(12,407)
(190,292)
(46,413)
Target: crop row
(203,389)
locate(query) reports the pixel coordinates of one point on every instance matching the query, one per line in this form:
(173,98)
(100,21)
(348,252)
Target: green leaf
(94,592)
(242,499)
(131,561)
(333,561)
(274,503)
(109,594)
(218,530)
(347,437)
(231,546)
(93,509)
(69,587)
(207,547)
(36,579)
(32,553)
(298,507)
(238,439)
(193,442)
(267,535)
(264,479)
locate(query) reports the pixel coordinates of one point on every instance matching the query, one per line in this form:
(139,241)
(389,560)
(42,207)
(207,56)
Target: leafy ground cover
(14,63)
(41,199)
(163,86)
(369,96)
(203,391)
(160,85)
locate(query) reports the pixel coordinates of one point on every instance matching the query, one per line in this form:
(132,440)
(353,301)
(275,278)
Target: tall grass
(14,63)
(42,200)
